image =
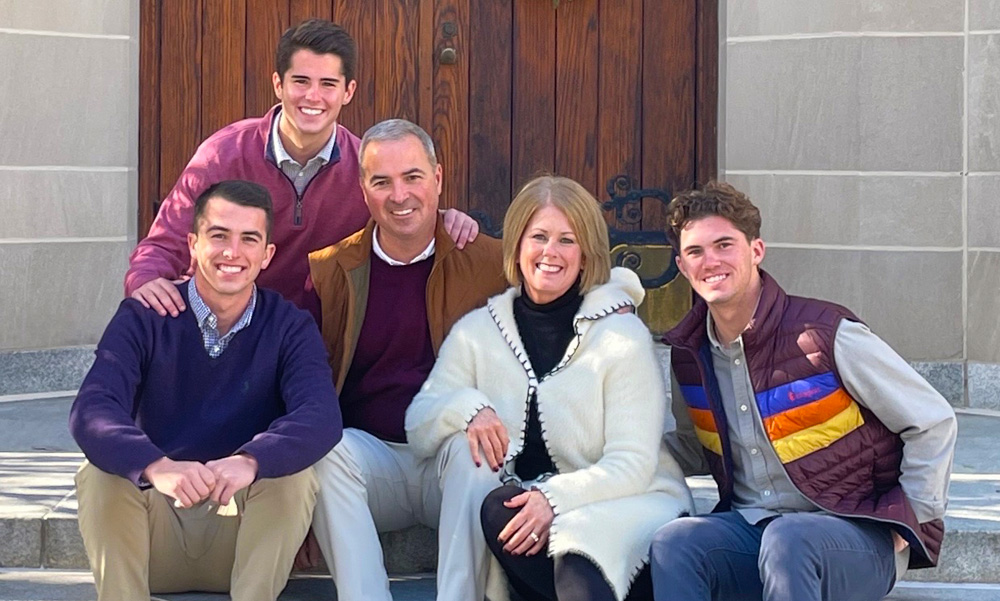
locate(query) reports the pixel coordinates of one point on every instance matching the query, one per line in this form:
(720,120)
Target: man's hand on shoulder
(462,228)
(161,295)
(231,475)
(188,482)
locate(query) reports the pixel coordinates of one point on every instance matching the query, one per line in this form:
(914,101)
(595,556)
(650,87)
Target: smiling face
(720,263)
(312,92)
(229,250)
(549,257)
(402,189)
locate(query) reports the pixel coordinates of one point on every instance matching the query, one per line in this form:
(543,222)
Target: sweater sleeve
(634,410)
(312,424)
(882,381)
(448,400)
(164,252)
(101,417)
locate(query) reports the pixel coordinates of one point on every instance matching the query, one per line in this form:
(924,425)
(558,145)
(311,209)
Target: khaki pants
(369,486)
(138,542)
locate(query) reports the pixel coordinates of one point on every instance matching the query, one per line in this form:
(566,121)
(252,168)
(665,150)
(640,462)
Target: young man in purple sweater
(200,431)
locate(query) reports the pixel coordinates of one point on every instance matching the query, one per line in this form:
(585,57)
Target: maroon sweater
(394,353)
(330,208)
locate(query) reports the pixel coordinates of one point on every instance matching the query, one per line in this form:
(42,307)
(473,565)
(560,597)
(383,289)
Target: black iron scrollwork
(626,202)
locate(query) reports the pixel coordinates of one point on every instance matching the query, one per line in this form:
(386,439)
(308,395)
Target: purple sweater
(154,391)
(330,208)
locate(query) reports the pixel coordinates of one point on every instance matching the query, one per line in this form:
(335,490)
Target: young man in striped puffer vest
(831,454)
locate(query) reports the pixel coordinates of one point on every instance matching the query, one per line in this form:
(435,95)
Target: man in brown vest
(389,294)
(831,454)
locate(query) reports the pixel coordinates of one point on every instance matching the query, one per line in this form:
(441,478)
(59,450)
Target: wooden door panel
(533,94)
(180,87)
(490,110)
(450,120)
(223,64)
(577,65)
(266,20)
(619,121)
(619,95)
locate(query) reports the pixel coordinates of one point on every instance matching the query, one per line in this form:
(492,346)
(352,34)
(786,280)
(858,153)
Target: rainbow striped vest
(836,452)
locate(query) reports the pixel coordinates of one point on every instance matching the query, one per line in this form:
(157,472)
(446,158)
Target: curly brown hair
(714,199)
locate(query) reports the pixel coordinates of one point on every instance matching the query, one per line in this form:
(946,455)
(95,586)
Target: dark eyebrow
(723,239)
(414,170)
(216,228)
(253,233)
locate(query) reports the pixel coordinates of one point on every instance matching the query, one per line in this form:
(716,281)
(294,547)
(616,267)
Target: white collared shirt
(377,249)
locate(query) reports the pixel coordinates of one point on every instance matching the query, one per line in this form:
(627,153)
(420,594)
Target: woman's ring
(534,537)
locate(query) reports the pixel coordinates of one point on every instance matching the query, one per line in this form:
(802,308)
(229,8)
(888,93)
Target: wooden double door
(617,94)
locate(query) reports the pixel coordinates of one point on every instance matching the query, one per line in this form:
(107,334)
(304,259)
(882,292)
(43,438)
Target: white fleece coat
(602,413)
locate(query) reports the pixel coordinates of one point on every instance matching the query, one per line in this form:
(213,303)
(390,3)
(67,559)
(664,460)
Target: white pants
(368,486)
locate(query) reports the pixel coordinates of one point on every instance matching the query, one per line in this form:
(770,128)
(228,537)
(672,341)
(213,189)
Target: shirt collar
(377,249)
(710,326)
(281,155)
(206,319)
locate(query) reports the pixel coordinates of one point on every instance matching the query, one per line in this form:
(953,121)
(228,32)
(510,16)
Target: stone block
(409,551)
(57,203)
(854,210)
(103,17)
(22,541)
(984,102)
(89,122)
(47,370)
(856,104)
(984,386)
(912,300)
(59,294)
(984,211)
(779,17)
(984,306)
(946,378)
(984,15)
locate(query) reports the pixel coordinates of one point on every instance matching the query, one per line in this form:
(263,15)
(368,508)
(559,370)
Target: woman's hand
(487,431)
(527,532)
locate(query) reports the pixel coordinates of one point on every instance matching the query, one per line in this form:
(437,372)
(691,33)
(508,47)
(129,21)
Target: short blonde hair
(584,216)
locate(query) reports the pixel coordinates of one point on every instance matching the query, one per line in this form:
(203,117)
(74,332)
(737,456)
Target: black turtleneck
(546,330)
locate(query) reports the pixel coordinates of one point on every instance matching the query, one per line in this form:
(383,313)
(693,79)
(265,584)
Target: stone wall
(69,125)
(868,132)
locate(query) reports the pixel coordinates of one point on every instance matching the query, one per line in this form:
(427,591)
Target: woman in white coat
(555,384)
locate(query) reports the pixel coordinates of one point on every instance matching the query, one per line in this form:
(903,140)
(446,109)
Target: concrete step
(38,508)
(66,585)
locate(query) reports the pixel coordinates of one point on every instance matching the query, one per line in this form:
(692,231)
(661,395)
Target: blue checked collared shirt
(209,323)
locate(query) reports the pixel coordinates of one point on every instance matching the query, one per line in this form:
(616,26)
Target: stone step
(38,508)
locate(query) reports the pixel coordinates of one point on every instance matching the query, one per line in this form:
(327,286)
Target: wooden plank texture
(358,18)
(490,86)
(619,122)
(149,114)
(667,101)
(577,93)
(450,128)
(301,10)
(707,92)
(266,21)
(396,54)
(534,98)
(180,89)
(222,64)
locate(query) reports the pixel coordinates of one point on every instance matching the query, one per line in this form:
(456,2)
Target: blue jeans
(795,557)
